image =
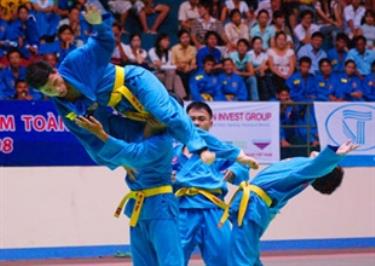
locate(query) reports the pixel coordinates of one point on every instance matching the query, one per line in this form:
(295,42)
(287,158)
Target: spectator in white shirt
(353,15)
(187,12)
(230,5)
(368,28)
(306,28)
(134,52)
(118,56)
(236,29)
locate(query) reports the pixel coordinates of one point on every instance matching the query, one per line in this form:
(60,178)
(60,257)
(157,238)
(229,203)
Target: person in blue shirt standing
(256,203)
(86,79)
(200,190)
(337,55)
(313,51)
(11,74)
(302,84)
(362,57)
(369,85)
(324,81)
(204,84)
(211,39)
(232,86)
(348,86)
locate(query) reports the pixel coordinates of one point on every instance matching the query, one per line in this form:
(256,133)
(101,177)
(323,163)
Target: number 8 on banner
(6,145)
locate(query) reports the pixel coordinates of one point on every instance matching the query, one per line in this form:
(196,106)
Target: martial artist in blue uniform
(324,81)
(232,86)
(337,55)
(348,86)
(270,191)
(204,83)
(86,79)
(201,189)
(369,85)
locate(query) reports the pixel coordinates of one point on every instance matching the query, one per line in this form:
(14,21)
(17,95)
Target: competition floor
(348,258)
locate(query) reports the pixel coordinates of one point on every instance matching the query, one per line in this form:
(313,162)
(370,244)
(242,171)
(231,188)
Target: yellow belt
(207,97)
(139,197)
(192,191)
(247,189)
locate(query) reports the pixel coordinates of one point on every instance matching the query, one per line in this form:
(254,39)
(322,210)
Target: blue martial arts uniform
(8,79)
(369,87)
(204,86)
(232,87)
(205,51)
(337,60)
(344,85)
(87,69)
(324,87)
(302,89)
(281,181)
(198,217)
(155,238)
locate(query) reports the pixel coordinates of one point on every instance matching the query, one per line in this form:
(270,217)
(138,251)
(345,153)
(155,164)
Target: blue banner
(32,134)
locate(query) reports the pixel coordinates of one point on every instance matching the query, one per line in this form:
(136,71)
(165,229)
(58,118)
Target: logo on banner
(354,122)
(261,143)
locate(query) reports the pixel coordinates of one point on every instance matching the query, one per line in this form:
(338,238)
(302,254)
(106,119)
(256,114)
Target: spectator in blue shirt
(314,51)
(348,85)
(23,31)
(211,39)
(369,85)
(262,29)
(24,92)
(337,55)
(12,73)
(287,116)
(362,57)
(232,85)
(302,83)
(204,84)
(324,81)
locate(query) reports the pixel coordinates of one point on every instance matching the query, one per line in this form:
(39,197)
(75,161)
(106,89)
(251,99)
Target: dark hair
(37,74)
(324,60)
(263,11)
(282,88)
(12,51)
(368,12)
(22,7)
(234,11)
(64,28)
(278,14)
(19,81)
(317,34)
(227,59)
(330,182)
(158,50)
(280,33)
(204,3)
(117,25)
(198,106)
(182,32)
(305,13)
(209,58)
(256,38)
(359,38)
(244,41)
(350,61)
(211,33)
(342,36)
(305,59)
(132,36)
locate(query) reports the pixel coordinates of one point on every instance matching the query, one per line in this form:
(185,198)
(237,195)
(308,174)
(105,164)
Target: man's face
(228,67)
(305,68)
(23,14)
(212,41)
(306,21)
(283,96)
(350,69)
(51,59)
(208,66)
(185,39)
(67,36)
(201,118)
(55,86)
(263,19)
(14,60)
(326,69)
(22,90)
(340,44)
(316,42)
(360,46)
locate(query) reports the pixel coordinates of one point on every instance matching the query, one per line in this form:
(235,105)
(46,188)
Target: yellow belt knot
(208,194)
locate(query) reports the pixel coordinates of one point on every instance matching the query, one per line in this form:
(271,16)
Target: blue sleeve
(32,35)
(319,166)
(296,93)
(194,88)
(200,58)
(369,90)
(154,97)
(242,91)
(302,52)
(135,155)
(241,173)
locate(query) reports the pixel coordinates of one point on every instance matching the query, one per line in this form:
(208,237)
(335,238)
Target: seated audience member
(314,51)
(259,60)
(324,81)
(240,5)
(306,28)
(212,40)
(369,85)
(287,117)
(244,68)
(337,55)
(232,85)
(118,56)
(262,29)
(204,84)
(46,18)
(353,15)
(236,29)
(348,85)
(205,23)
(134,52)
(184,58)
(368,28)
(187,12)
(279,25)
(302,83)
(12,73)
(161,60)
(23,92)
(51,59)
(362,56)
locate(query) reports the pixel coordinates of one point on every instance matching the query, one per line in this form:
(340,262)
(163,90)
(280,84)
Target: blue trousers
(199,227)
(156,242)
(244,244)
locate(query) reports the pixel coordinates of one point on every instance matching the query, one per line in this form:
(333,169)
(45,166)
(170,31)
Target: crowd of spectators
(231,50)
